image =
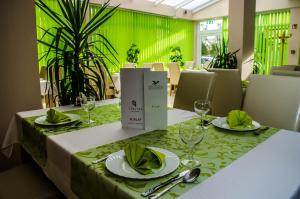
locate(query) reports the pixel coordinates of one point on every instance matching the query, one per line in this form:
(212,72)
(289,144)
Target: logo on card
(155,85)
(134,108)
(133,102)
(155,82)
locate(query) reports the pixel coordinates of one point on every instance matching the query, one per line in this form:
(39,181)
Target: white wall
(221,8)
(19,81)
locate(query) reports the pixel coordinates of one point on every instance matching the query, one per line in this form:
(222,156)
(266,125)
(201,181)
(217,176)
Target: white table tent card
(143,99)
(156,100)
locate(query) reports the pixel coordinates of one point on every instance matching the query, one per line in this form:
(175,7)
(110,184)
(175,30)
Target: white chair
(129,65)
(174,72)
(158,66)
(192,86)
(147,65)
(27,182)
(228,94)
(190,65)
(274,101)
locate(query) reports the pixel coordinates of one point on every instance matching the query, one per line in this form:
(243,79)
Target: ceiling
(192,5)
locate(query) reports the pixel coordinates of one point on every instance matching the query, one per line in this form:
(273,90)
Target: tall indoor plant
(74,63)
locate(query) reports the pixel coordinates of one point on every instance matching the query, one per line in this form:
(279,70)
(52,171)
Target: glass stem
(202,119)
(191,154)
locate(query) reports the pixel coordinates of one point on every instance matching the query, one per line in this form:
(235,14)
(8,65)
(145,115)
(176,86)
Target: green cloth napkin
(142,159)
(54,116)
(237,119)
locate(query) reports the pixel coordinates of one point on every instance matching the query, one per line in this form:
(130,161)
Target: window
(210,35)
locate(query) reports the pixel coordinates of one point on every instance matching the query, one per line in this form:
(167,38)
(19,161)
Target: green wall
(153,34)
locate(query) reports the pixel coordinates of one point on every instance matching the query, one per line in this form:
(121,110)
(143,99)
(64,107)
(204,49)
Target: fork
(261,130)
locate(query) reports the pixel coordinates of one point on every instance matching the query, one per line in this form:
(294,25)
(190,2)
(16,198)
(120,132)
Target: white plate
(117,164)
(222,123)
(43,122)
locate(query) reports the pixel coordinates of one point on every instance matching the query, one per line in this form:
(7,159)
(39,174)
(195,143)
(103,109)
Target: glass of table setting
(88,105)
(202,107)
(191,134)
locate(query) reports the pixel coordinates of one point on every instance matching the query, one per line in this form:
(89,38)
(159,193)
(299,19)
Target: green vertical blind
(153,35)
(269,49)
(44,22)
(225,29)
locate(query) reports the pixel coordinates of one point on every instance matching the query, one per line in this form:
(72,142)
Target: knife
(157,187)
(99,160)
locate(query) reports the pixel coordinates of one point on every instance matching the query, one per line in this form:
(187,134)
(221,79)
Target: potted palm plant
(75,64)
(224,59)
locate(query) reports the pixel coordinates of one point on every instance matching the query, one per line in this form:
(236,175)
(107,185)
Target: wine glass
(88,105)
(191,134)
(202,107)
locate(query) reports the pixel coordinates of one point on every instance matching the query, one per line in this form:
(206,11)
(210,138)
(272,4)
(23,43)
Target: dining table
(234,164)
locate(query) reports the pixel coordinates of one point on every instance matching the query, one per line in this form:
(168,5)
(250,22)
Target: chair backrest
(158,66)
(190,64)
(193,85)
(147,65)
(228,94)
(274,101)
(174,72)
(289,70)
(129,65)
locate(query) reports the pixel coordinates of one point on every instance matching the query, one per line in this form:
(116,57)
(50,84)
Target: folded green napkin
(54,116)
(142,159)
(237,119)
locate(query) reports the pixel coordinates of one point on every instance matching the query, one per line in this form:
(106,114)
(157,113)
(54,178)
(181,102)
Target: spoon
(187,178)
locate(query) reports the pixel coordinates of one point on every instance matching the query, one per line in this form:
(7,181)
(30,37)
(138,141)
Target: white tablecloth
(271,170)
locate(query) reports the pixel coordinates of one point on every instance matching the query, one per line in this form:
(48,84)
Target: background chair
(27,182)
(174,72)
(274,101)
(190,65)
(228,94)
(147,65)
(193,85)
(158,66)
(291,70)
(129,65)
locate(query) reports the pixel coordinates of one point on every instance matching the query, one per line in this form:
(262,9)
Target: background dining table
(234,164)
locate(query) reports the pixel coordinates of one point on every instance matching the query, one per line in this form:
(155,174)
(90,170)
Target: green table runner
(219,149)
(34,136)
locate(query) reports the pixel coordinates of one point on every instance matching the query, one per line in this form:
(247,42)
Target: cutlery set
(187,176)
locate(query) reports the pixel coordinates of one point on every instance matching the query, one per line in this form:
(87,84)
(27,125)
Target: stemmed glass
(202,107)
(88,105)
(191,134)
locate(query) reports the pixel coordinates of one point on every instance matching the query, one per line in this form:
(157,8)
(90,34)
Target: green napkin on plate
(54,116)
(142,159)
(237,119)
